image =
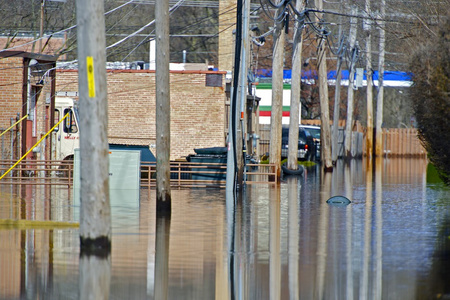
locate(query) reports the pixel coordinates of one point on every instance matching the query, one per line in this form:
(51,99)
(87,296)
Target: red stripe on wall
(268,113)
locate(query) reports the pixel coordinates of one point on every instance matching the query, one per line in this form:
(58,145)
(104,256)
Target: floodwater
(391,242)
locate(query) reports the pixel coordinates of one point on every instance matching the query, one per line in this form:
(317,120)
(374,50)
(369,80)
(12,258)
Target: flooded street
(286,242)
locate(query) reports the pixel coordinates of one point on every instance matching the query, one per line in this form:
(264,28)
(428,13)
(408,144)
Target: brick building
(198,105)
(26,82)
(197,101)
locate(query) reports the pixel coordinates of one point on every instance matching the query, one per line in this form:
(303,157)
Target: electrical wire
(64,30)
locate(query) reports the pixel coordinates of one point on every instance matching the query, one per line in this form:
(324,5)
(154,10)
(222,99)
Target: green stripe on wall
(268,86)
(269,108)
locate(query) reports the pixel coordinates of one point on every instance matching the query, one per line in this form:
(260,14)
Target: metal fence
(182,174)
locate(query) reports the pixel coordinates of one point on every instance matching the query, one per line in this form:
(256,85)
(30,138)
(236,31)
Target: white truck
(67,134)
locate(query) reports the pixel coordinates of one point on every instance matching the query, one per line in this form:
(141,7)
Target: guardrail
(182,174)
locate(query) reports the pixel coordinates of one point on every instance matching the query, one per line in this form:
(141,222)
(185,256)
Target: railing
(41,172)
(182,174)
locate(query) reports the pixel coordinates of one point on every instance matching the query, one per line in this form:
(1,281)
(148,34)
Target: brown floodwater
(391,242)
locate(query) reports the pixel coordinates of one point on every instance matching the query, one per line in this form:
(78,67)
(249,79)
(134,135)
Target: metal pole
(294,119)
(95,212)
(163,194)
(277,94)
(349,122)
(243,91)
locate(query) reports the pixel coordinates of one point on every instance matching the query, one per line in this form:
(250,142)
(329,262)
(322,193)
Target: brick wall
(10,98)
(197,111)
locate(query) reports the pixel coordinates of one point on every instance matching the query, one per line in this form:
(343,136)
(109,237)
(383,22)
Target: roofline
(24,54)
(152,71)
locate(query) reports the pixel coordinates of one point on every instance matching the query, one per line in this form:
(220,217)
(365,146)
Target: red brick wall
(10,96)
(197,111)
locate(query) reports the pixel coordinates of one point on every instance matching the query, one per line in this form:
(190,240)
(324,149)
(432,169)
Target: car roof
(310,126)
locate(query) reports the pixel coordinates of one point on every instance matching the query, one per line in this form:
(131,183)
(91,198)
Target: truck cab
(67,134)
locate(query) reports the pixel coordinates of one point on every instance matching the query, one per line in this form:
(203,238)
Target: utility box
(124,178)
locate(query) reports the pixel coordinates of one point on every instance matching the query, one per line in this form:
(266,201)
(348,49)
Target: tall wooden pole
(277,94)
(378,137)
(323,95)
(337,96)
(95,212)
(163,194)
(295,91)
(369,93)
(349,122)
(41,26)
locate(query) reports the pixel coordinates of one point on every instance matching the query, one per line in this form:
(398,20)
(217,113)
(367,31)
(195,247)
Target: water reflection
(276,243)
(95,277)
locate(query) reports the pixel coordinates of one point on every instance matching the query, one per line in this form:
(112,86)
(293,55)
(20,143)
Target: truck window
(70,126)
(56,116)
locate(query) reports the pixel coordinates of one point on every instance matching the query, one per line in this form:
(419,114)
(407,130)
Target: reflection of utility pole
(294,118)
(95,212)
(277,91)
(353,51)
(163,195)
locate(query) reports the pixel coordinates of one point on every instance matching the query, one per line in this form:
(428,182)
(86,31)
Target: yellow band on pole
(90,76)
(31,149)
(13,125)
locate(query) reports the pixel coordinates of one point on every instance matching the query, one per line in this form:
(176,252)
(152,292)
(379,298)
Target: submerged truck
(67,134)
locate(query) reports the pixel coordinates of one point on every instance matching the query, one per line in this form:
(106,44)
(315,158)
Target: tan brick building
(197,109)
(198,106)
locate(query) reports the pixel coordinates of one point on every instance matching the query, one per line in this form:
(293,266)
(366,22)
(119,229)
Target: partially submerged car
(306,146)
(315,132)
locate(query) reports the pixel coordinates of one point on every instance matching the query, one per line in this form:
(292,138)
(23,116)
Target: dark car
(306,145)
(315,132)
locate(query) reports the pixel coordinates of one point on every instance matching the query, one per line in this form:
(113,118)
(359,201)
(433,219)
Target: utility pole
(95,211)
(163,194)
(295,90)
(243,90)
(41,27)
(354,52)
(369,95)
(277,92)
(378,137)
(337,95)
(323,95)
(232,165)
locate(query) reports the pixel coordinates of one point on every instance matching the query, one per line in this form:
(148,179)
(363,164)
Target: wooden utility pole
(277,93)
(295,91)
(378,137)
(369,89)
(163,194)
(95,211)
(41,26)
(337,96)
(353,57)
(323,95)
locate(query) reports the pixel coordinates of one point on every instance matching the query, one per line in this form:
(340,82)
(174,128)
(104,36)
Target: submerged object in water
(339,200)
